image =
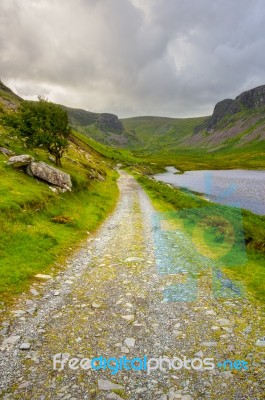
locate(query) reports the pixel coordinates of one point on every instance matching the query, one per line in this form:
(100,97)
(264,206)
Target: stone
(42,276)
(104,384)
(20,161)
(25,385)
(223,321)
(25,346)
(260,342)
(114,396)
(57,293)
(125,350)
(227,374)
(95,305)
(51,175)
(128,317)
(134,259)
(129,342)
(210,312)
(11,340)
(18,313)
(209,344)
(5,151)
(34,292)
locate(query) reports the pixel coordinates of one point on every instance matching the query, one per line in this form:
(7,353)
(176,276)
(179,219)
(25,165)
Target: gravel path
(114,299)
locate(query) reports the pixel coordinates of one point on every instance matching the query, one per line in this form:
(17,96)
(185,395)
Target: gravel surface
(121,296)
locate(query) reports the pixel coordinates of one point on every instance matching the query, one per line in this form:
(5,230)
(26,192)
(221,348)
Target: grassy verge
(46,231)
(214,227)
(39,228)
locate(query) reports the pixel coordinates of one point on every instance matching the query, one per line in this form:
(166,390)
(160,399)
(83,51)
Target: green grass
(32,242)
(213,227)
(39,228)
(150,130)
(112,153)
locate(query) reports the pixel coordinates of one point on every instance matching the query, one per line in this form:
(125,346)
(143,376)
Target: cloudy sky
(133,57)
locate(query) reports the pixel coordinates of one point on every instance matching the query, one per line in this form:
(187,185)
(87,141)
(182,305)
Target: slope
(39,227)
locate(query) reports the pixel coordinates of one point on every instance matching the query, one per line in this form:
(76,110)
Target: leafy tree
(42,123)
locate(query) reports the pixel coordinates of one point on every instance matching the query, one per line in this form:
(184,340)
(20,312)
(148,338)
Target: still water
(240,188)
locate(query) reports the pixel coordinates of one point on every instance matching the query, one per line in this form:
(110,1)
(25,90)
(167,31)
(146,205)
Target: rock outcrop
(50,174)
(110,123)
(253,98)
(6,152)
(42,171)
(20,161)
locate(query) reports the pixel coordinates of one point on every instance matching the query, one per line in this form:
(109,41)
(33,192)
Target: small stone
(227,374)
(56,293)
(260,342)
(114,396)
(223,321)
(177,333)
(42,276)
(209,344)
(125,350)
(11,340)
(34,292)
(95,305)
(129,342)
(25,346)
(19,312)
(215,328)
(108,385)
(128,317)
(210,312)
(140,390)
(25,385)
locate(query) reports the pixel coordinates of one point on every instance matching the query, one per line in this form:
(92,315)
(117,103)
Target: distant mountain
(234,123)
(249,100)
(103,127)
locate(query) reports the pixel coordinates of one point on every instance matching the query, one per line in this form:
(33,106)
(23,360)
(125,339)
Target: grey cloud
(132,57)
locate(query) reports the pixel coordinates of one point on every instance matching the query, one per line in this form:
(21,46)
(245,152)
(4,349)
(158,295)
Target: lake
(239,188)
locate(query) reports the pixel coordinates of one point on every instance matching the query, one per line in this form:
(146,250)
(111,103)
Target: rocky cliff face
(105,122)
(253,98)
(110,122)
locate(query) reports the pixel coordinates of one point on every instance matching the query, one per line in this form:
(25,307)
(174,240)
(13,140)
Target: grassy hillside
(40,228)
(237,142)
(157,133)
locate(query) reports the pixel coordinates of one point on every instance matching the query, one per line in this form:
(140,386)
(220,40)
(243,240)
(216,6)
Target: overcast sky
(133,57)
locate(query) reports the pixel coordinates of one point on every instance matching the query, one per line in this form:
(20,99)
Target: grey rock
(209,344)
(20,161)
(114,396)
(5,151)
(25,385)
(223,321)
(104,384)
(129,342)
(34,292)
(260,342)
(44,277)
(11,340)
(25,346)
(50,174)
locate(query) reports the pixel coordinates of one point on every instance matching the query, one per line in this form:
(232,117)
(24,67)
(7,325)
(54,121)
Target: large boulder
(50,174)
(20,161)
